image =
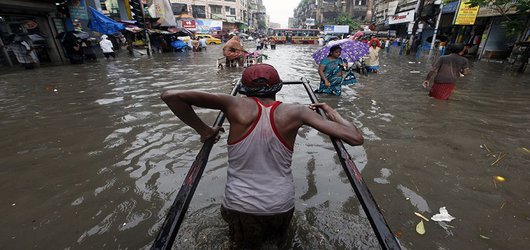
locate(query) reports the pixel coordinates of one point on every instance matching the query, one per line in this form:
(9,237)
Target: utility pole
(369,11)
(417,16)
(436,28)
(146,33)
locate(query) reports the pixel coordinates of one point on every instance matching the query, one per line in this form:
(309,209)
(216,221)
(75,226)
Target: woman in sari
(234,50)
(331,73)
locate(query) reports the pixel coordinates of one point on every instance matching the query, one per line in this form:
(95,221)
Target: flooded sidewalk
(92,158)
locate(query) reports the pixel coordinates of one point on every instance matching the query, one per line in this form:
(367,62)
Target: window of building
(230,0)
(216,12)
(233,11)
(199,11)
(216,9)
(178,8)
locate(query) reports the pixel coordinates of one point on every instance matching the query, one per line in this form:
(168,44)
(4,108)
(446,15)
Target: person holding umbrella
(331,72)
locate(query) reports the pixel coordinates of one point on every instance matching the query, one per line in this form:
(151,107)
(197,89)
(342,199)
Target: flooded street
(93,159)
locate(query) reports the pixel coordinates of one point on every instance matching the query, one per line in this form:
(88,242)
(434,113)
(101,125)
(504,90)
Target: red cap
(260,71)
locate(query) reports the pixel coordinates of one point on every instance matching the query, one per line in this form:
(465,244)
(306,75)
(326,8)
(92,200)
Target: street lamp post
(436,28)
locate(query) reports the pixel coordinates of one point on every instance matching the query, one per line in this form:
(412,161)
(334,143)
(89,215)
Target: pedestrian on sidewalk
(445,71)
(259,198)
(106,47)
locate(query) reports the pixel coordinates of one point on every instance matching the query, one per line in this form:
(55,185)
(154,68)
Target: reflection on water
(92,157)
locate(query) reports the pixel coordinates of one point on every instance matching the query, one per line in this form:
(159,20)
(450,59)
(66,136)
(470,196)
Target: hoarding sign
(466,15)
(78,9)
(337,29)
(402,17)
(208,25)
(310,22)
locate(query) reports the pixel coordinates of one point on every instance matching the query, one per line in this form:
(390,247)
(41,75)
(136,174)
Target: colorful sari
(332,68)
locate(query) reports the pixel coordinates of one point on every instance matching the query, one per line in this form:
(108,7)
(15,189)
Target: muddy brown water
(92,159)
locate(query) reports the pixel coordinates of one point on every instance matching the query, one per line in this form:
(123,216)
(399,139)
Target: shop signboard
(78,9)
(450,7)
(466,14)
(189,24)
(402,17)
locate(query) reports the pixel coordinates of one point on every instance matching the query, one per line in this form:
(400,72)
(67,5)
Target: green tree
(512,25)
(262,25)
(345,19)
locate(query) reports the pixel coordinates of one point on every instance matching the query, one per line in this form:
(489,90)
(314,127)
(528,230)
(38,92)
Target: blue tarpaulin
(178,44)
(103,24)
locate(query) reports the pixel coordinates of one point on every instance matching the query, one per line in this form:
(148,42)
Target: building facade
(326,11)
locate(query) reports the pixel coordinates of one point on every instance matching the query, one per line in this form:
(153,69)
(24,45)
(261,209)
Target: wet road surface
(92,158)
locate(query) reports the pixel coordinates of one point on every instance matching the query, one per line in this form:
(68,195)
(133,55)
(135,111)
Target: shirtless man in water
(259,193)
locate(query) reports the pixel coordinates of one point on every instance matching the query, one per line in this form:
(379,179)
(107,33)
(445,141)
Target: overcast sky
(280,10)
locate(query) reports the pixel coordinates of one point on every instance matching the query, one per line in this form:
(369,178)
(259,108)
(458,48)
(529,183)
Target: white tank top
(259,168)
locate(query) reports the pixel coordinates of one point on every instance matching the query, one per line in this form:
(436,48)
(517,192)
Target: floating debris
(501,155)
(420,228)
(442,216)
(484,237)
(499,178)
(421,216)
(415,72)
(445,225)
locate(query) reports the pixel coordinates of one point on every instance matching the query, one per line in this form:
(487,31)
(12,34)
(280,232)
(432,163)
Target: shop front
(34,22)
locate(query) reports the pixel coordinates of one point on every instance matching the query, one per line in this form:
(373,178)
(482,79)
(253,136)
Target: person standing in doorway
(445,72)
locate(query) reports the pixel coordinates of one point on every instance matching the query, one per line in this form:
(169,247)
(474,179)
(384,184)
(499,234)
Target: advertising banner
(466,15)
(208,25)
(310,22)
(402,17)
(78,9)
(336,29)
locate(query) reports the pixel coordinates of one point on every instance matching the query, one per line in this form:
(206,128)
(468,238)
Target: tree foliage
(512,25)
(345,19)
(262,25)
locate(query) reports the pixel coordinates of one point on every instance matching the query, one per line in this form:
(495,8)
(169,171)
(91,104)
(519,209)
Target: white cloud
(280,10)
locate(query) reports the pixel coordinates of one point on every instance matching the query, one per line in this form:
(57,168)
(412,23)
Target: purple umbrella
(351,50)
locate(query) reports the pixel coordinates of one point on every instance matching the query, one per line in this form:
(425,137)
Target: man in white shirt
(106,47)
(202,43)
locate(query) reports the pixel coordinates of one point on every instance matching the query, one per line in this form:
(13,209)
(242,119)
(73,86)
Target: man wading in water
(445,71)
(259,193)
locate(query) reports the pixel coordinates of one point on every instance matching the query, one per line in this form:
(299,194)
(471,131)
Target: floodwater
(92,158)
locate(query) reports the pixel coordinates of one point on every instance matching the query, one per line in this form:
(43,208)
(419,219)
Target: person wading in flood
(447,69)
(259,193)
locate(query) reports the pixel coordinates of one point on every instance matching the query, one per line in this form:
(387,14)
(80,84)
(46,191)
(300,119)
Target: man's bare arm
(181,102)
(336,126)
